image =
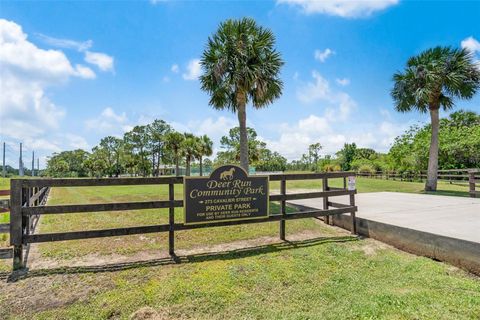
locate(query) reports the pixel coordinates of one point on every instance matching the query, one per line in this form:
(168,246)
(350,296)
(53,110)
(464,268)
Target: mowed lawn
(330,276)
(318,279)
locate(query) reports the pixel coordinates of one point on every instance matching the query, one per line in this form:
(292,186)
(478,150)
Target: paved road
(454,217)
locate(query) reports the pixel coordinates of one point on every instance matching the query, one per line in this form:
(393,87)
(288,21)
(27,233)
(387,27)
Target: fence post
(471,182)
(283,192)
(352,214)
(326,219)
(16,228)
(171,220)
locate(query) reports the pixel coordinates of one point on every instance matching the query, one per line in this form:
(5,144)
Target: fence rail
(26,193)
(468,177)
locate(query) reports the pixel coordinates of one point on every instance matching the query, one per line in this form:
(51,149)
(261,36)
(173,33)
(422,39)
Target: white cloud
(26,111)
(103,61)
(471,44)
(341,8)
(66,43)
(294,138)
(343,82)
(84,72)
(194,69)
(109,122)
(174,68)
(323,55)
(76,142)
(339,104)
(387,132)
(312,91)
(213,127)
(385,113)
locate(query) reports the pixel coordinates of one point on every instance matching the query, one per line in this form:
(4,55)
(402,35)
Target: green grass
(132,244)
(337,277)
(377,185)
(4,183)
(310,280)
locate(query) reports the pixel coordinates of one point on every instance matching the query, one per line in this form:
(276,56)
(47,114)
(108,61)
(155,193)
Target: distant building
(169,170)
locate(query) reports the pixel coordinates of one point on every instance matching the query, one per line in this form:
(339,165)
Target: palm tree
(205,148)
(431,81)
(174,142)
(240,66)
(190,146)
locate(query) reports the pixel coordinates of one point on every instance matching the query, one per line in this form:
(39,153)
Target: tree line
(459,148)
(143,150)
(140,152)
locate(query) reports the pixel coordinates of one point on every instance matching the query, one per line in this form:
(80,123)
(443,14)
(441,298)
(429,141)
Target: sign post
(228,194)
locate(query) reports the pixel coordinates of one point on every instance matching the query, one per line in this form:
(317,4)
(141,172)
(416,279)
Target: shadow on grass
(194,258)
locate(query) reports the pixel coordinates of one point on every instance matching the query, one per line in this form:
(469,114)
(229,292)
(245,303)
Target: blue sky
(73,72)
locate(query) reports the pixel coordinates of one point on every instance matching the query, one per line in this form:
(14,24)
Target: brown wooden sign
(228,194)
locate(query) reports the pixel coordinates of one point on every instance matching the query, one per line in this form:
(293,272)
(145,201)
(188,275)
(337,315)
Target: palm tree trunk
(188,167)
(242,120)
(201,166)
(431,184)
(176,163)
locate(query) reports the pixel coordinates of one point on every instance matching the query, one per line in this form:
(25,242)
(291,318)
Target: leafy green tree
(157,132)
(57,167)
(346,156)
(271,161)
(459,138)
(138,141)
(232,149)
(314,153)
(208,165)
(205,149)
(113,149)
(174,141)
(365,153)
(241,65)
(98,162)
(67,163)
(431,81)
(190,147)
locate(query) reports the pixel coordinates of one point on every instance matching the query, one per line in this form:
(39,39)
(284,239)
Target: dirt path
(36,261)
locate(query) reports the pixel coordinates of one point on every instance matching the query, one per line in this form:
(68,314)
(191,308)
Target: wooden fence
(32,196)
(22,209)
(467,177)
(473,179)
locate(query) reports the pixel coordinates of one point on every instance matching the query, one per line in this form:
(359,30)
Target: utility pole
(20,165)
(33,163)
(4,169)
(38,166)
